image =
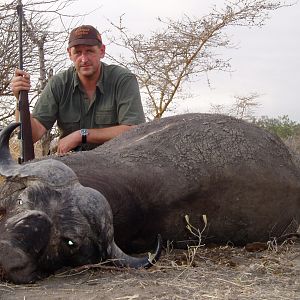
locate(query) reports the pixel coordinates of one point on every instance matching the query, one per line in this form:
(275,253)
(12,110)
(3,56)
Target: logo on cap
(85,35)
(80,32)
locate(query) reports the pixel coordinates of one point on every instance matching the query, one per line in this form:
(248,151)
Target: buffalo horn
(8,167)
(120,259)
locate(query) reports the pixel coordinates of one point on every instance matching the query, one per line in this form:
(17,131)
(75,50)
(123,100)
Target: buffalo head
(49,220)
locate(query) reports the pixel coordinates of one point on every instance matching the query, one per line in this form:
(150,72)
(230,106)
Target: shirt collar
(99,82)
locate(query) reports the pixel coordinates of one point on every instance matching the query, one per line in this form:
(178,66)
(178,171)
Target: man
(91,101)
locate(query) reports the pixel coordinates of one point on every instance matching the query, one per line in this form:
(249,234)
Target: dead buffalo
(49,220)
(244,179)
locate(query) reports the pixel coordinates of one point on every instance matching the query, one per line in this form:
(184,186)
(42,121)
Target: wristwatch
(84,133)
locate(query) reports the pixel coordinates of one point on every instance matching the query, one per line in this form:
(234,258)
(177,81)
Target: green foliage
(282,126)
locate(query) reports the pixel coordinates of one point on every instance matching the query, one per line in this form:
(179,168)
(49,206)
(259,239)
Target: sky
(267,61)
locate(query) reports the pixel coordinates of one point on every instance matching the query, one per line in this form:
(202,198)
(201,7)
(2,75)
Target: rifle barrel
(27,149)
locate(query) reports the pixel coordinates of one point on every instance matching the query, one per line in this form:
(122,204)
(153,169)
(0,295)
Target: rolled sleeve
(46,108)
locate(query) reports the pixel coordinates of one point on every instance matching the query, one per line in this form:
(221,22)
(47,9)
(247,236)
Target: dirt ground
(203,273)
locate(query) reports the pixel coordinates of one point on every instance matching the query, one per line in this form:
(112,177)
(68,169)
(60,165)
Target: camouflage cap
(85,35)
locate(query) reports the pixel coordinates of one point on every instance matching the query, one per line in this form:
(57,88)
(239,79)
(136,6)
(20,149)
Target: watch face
(83,132)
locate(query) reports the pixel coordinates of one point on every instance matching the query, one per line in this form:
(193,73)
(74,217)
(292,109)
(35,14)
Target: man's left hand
(69,142)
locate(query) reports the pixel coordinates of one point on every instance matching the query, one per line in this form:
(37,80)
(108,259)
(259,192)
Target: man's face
(86,59)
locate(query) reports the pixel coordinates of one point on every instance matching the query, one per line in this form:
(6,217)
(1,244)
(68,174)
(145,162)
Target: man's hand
(96,136)
(20,82)
(69,142)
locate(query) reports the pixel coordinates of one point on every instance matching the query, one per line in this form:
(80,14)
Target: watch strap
(84,133)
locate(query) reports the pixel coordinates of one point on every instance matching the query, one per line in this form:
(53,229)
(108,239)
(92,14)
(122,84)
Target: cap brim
(90,42)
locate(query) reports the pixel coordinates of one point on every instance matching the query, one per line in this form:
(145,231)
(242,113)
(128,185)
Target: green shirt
(117,101)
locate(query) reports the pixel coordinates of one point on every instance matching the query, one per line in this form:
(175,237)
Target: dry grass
(216,273)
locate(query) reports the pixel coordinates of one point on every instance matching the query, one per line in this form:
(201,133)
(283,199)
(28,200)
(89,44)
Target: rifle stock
(27,149)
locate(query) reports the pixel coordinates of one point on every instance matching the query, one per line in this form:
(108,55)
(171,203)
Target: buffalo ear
(94,206)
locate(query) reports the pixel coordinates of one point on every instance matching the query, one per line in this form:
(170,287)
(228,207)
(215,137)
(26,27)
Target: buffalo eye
(70,243)
(20,201)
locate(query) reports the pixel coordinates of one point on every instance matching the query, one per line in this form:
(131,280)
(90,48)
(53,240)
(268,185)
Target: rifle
(25,135)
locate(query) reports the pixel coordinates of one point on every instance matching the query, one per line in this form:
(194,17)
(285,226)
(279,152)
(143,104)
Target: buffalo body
(241,177)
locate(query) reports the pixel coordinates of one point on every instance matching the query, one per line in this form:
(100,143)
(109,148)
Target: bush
(282,126)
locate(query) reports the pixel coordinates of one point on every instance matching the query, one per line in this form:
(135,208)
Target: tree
(42,51)
(8,61)
(42,47)
(242,108)
(185,49)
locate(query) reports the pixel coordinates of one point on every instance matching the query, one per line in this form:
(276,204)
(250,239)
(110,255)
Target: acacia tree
(42,51)
(243,107)
(186,48)
(8,59)
(42,48)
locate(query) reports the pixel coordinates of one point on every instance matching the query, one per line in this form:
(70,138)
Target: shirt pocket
(106,118)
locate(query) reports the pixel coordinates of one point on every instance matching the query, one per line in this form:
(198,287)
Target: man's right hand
(20,82)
